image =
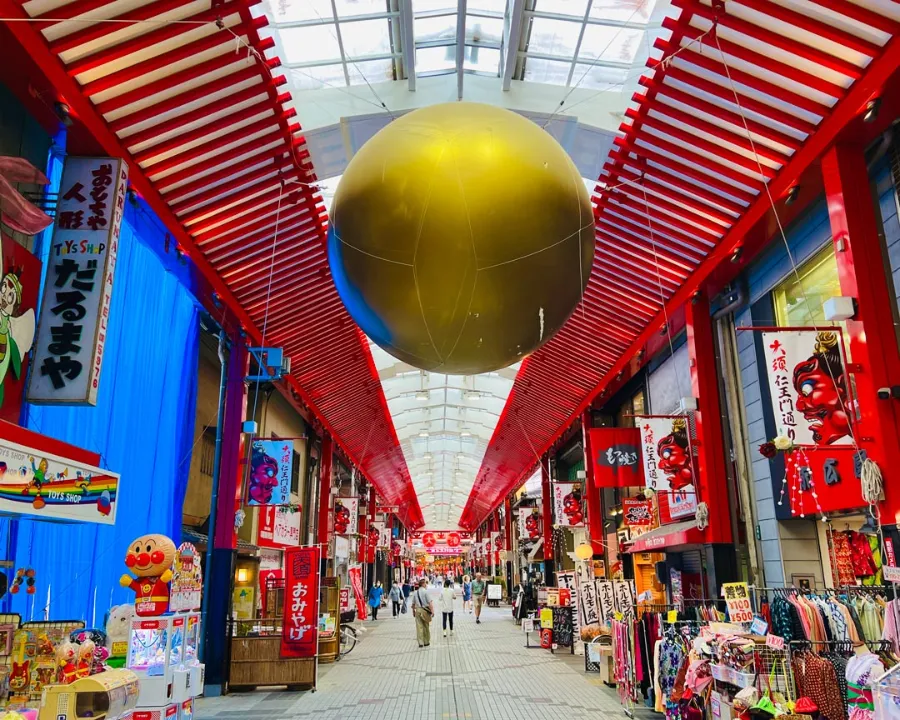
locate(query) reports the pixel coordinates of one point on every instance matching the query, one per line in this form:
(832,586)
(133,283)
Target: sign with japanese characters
(529,523)
(617,457)
(669,464)
(607,596)
(626,596)
(346,515)
(737,600)
(47,486)
(271,469)
(187,580)
(637,512)
(588,604)
(568,504)
(74,318)
(808,385)
(279,527)
(299,634)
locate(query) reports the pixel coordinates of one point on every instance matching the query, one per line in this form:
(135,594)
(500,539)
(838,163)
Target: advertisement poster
(71,337)
(187,580)
(271,468)
(279,527)
(737,600)
(529,523)
(300,631)
(637,513)
(568,505)
(355,573)
(617,457)
(243,602)
(54,488)
(669,464)
(20,279)
(346,516)
(808,386)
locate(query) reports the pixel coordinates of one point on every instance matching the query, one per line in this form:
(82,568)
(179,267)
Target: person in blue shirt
(375,595)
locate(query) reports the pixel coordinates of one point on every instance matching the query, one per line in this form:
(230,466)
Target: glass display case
(152,644)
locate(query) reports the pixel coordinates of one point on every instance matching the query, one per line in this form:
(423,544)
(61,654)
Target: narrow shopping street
(482,672)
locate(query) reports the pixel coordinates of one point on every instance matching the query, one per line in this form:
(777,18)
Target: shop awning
(667,537)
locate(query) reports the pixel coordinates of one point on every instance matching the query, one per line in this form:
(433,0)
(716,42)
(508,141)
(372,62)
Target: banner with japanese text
(637,512)
(271,469)
(74,317)
(617,457)
(355,573)
(669,464)
(588,604)
(808,386)
(279,527)
(346,515)
(568,504)
(529,523)
(300,631)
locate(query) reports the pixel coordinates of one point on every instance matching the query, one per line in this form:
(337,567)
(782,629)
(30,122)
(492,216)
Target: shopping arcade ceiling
(209,131)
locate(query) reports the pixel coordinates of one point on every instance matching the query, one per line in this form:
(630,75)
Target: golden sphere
(461,238)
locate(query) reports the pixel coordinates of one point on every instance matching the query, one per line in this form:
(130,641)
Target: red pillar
(872,336)
(591,491)
(712,478)
(325,492)
(547,509)
(231,470)
(507,524)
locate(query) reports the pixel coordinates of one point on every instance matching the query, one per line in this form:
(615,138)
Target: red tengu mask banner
(617,457)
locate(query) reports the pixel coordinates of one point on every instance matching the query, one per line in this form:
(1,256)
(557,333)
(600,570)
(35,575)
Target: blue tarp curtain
(142,427)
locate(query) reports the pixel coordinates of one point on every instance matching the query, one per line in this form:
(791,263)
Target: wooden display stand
(257,662)
(329,602)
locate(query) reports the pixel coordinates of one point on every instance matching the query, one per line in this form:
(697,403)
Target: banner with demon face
(669,464)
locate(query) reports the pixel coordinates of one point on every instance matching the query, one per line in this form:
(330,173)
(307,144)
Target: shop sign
(626,596)
(271,468)
(54,488)
(529,523)
(568,505)
(889,551)
(497,538)
(75,308)
(808,385)
(344,599)
(637,513)
(299,634)
(891,574)
(355,574)
(187,580)
(384,533)
(444,550)
(546,618)
(588,605)
(775,642)
(759,626)
(553,597)
(346,516)
(20,278)
(617,457)
(528,625)
(737,600)
(669,464)
(607,595)
(279,527)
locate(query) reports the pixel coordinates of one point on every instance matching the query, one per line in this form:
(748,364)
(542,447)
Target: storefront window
(671,382)
(799,298)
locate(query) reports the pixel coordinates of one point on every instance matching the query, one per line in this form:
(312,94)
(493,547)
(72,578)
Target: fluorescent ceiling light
(422,395)
(424,433)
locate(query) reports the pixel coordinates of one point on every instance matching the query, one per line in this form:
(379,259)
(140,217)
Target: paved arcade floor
(482,672)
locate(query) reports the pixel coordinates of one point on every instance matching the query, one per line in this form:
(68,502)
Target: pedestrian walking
(448,596)
(467,593)
(376,593)
(479,590)
(423,609)
(396,595)
(407,589)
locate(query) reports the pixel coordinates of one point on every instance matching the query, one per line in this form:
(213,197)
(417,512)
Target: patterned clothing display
(816,679)
(842,560)
(861,670)
(861,555)
(840,669)
(671,658)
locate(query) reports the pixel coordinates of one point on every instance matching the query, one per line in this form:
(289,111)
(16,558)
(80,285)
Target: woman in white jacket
(448,595)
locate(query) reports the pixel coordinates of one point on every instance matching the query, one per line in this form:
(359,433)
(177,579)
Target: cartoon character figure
(341,518)
(16,329)
(821,387)
(263,476)
(572,506)
(45,646)
(19,677)
(101,655)
(675,456)
(85,664)
(23,576)
(150,558)
(66,660)
(118,629)
(39,475)
(533,525)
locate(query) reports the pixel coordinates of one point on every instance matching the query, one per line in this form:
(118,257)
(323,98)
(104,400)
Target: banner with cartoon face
(346,516)
(568,504)
(669,464)
(529,523)
(808,385)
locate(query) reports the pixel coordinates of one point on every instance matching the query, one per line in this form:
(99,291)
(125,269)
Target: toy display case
(192,639)
(167,712)
(155,647)
(109,695)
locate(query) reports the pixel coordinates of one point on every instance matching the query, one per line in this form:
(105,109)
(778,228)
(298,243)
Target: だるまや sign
(300,633)
(75,308)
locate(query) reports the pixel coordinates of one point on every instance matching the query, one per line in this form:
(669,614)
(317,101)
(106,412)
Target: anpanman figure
(150,558)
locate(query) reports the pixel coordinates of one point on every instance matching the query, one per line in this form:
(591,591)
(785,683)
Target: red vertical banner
(300,633)
(355,573)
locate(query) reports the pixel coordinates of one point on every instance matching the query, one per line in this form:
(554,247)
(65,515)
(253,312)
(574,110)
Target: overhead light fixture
(423,434)
(427,456)
(422,395)
(465,433)
(872,108)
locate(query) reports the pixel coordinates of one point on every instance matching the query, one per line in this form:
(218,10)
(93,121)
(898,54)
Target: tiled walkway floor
(482,672)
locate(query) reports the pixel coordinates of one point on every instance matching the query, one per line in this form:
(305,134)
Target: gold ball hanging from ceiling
(461,238)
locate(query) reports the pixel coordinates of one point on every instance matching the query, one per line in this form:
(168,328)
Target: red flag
(617,457)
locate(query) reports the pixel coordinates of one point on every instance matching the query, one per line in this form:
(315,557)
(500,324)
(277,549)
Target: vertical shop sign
(346,516)
(568,504)
(617,457)
(279,527)
(529,523)
(355,573)
(75,308)
(588,604)
(808,385)
(607,596)
(271,468)
(300,631)
(669,464)
(626,596)
(737,600)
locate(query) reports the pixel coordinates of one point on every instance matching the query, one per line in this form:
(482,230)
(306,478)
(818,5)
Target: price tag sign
(528,625)
(775,642)
(618,616)
(891,574)
(737,599)
(759,626)
(672,616)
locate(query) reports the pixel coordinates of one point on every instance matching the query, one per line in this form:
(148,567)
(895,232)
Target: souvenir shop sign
(808,385)
(737,600)
(568,506)
(271,468)
(279,527)
(346,516)
(75,308)
(529,523)
(669,464)
(617,457)
(299,635)
(55,488)
(637,513)
(187,580)
(607,596)
(20,278)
